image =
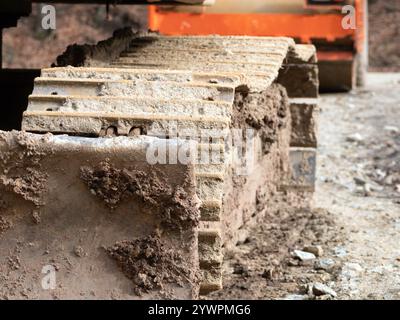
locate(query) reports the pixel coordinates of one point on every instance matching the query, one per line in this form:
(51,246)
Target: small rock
(340,252)
(324,277)
(367,189)
(356,137)
(377,188)
(351,105)
(36,217)
(351,272)
(380,174)
(359,181)
(296,297)
(397,187)
(391,129)
(79,252)
(303,256)
(324,264)
(320,289)
(388,180)
(316,250)
(275,262)
(353,266)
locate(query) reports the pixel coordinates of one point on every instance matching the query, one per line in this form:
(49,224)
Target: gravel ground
(356,215)
(359,181)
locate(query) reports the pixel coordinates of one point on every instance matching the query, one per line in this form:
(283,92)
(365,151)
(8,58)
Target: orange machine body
(320,27)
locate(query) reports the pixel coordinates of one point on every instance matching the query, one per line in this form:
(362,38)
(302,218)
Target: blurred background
(91,23)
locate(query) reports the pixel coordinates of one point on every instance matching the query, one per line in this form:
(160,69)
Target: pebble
(359,181)
(356,137)
(367,189)
(377,188)
(388,180)
(392,129)
(340,252)
(351,270)
(380,174)
(79,252)
(36,217)
(324,264)
(320,289)
(324,276)
(353,266)
(316,250)
(303,256)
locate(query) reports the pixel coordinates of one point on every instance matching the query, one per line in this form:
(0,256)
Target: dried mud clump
(4,225)
(150,264)
(99,54)
(30,185)
(267,112)
(114,185)
(21,166)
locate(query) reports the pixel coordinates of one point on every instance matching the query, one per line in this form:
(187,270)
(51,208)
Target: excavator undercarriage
(143,158)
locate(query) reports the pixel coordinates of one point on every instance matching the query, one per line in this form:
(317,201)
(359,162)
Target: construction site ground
(356,215)
(356,211)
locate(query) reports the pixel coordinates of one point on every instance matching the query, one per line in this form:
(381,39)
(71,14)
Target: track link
(166,85)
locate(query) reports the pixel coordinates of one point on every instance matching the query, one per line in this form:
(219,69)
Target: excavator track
(202,90)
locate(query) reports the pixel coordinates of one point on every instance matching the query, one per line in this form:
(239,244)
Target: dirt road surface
(356,214)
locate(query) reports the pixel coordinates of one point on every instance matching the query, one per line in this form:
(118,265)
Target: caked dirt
(89,245)
(252,185)
(4,224)
(23,175)
(266,112)
(100,54)
(113,185)
(151,264)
